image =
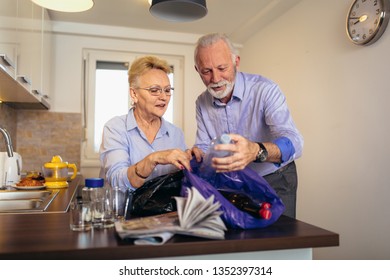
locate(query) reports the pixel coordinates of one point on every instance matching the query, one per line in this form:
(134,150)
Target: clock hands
(359,19)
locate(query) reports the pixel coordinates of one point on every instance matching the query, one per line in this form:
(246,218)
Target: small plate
(28,187)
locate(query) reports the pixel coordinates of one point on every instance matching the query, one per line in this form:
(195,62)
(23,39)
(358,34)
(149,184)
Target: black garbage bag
(156,196)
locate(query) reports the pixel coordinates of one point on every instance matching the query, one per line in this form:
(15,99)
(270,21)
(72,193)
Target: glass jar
(94,191)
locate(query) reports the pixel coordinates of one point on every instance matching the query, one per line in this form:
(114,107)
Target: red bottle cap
(266,214)
(266,205)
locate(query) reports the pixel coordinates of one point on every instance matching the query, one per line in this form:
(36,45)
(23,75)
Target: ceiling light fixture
(69,6)
(178,10)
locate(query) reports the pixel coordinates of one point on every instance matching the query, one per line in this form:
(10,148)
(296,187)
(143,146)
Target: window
(110,95)
(106,94)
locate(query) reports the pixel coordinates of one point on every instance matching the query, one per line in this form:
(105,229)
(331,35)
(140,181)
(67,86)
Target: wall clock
(367,20)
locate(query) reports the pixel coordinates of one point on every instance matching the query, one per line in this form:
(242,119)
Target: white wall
(338,94)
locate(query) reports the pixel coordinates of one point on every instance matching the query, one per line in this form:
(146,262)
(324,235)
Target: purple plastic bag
(247,181)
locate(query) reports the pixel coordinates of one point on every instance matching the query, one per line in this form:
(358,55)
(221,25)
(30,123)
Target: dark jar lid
(94,182)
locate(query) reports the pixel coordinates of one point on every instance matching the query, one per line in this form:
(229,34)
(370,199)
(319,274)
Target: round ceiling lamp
(178,10)
(69,6)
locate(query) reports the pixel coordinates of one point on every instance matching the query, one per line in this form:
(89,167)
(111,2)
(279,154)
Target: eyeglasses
(156,91)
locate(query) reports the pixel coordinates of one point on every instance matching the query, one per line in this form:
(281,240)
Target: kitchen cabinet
(25,40)
(8,37)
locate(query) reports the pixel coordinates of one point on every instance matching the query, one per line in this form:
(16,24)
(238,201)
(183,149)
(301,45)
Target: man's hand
(243,152)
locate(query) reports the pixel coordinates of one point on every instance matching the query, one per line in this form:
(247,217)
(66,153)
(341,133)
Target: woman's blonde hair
(143,64)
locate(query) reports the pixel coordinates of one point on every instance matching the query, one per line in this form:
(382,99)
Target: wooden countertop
(48,236)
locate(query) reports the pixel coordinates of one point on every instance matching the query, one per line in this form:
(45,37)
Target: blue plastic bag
(247,181)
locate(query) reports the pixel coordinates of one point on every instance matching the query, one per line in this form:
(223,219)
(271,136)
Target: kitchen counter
(47,236)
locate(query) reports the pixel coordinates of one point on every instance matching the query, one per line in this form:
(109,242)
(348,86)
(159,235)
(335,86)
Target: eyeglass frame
(159,90)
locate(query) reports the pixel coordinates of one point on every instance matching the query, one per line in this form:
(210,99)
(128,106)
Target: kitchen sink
(26,201)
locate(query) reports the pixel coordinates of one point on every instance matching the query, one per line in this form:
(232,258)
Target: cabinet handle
(36,92)
(24,79)
(7,60)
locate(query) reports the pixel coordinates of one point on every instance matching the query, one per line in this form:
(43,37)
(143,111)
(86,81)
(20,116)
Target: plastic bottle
(223,139)
(245,203)
(95,192)
(206,169)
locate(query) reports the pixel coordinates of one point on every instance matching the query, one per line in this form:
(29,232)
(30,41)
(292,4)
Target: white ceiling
(237,18)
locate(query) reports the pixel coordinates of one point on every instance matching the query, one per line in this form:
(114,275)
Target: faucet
(8,142)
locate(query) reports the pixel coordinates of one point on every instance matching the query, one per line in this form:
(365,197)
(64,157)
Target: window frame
(89,158)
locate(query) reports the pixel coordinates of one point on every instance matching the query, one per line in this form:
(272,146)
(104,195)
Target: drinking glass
(121,197)
(80,216)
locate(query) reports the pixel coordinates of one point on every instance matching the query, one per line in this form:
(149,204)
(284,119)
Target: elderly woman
(142,145)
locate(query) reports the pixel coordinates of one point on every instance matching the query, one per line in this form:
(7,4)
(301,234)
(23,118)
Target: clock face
(367,20)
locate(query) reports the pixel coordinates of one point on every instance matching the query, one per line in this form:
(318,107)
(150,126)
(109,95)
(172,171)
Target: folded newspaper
(195,216)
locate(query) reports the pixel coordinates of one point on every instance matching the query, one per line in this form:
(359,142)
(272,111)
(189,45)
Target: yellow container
(56,172)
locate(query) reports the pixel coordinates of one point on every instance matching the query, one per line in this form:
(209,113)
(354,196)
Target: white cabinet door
(8,36)
(36,49)
(46,50)
(26,43)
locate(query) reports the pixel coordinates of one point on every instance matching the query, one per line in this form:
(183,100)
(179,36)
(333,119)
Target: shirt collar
(239,86)
(132,123)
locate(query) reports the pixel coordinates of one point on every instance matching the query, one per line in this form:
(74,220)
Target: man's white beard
(221,94)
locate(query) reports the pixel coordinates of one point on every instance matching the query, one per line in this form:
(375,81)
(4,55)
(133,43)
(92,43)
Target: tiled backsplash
(39,135)
(7,121)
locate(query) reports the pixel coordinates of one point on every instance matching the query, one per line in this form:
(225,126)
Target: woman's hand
(138,172)
(177,157)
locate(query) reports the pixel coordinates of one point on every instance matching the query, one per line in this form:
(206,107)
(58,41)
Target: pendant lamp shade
(65,5)
(178,10)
